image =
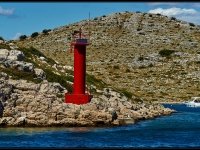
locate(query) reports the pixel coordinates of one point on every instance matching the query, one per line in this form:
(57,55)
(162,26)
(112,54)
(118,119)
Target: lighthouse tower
(78,96)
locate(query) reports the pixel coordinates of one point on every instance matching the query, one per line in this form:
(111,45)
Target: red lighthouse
(78,96)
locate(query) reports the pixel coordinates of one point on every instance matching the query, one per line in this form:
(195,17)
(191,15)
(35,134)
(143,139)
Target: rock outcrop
(40,73)
(3,55)
(25,103)
(15,59)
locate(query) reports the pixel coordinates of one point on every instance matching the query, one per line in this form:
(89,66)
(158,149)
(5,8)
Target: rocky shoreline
(26,104)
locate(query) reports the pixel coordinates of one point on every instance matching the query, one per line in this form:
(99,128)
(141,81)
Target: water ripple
(182,129)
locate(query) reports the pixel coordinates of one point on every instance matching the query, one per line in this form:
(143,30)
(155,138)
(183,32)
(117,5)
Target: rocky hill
(151,56)
(32,88)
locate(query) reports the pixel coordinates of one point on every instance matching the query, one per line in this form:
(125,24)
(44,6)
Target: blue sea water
(179,130)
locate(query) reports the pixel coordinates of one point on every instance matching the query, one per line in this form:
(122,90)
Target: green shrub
(46,31)
(150,65)
(36,52)
(28,55)
(192,24)
(142,67)
(128,70)
(126,93)
(173,18)
(116,67)
(1,38)
(60,95)
(28,52)
(50,61)
(4,46)
(183,73)
(22,37)
(52,77)
(35,34)
(141,58)
(91,80)
(30,76)
(16,74)
(166,52)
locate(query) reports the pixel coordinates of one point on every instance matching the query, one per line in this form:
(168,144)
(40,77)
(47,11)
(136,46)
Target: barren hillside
(151,56)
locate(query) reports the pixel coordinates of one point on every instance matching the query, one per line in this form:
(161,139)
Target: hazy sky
(18,18)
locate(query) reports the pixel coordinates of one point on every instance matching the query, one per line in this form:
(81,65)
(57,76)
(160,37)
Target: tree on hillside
(22,37)
(1,38)
(35,34)
(46,31)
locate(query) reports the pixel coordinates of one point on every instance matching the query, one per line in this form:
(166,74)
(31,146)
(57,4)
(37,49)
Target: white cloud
(17,35)
(189,15)
(6,12)
(194,19)
(173,11)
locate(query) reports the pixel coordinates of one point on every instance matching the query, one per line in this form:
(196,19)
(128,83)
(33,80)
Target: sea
(179,130)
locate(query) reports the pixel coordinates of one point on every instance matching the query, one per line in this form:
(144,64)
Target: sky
(24,18)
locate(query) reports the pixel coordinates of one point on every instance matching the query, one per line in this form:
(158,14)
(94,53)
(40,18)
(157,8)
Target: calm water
(182,129)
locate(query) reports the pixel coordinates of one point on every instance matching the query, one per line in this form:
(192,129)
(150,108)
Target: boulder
(89,106)
(31,122)
(4,76)
(28,67)
(7,63)
(40,73)
(3,55)
(19,65)
(13,46)
(15,64)
(68,67)
(15,55)
(24,85)
(49,87)
(10,121)
(55,66)
(42,58)
(7,121)
(21,121)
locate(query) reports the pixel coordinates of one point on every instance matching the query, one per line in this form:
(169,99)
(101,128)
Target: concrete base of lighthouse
(78,98)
